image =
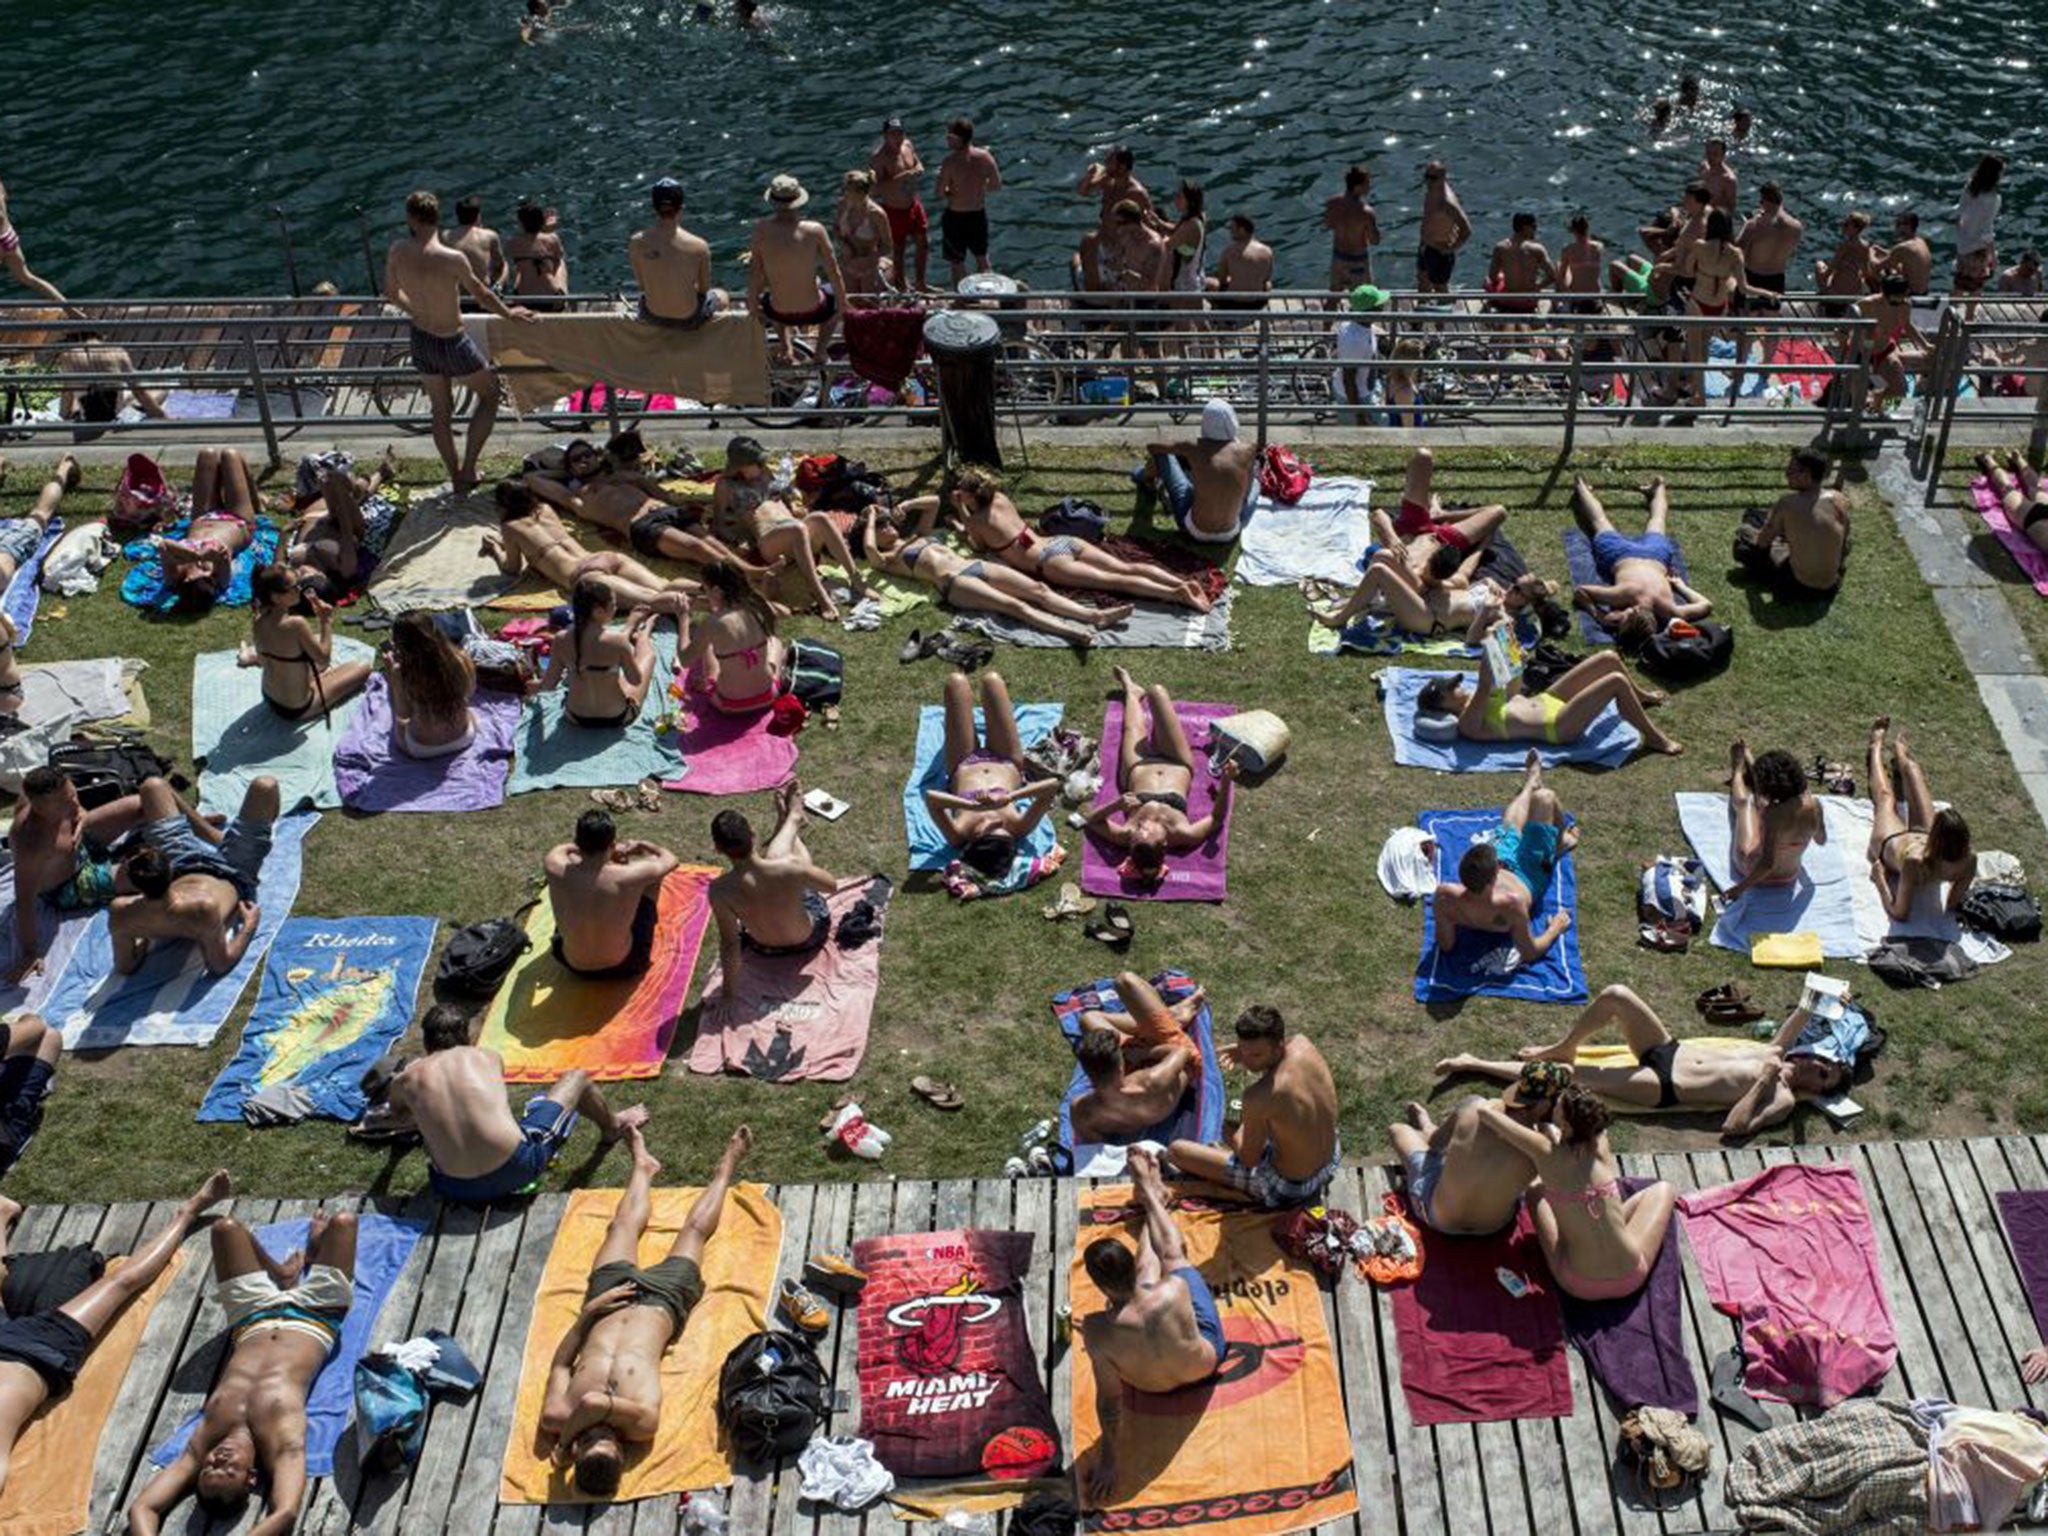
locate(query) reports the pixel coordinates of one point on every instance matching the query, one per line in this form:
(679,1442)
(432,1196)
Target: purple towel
(1201,874)
(2025,1212)
(373,775)
(1635,1346)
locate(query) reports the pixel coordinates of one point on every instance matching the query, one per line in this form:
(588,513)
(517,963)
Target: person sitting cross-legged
(1285,1151)
(193,880)
(1139,1063)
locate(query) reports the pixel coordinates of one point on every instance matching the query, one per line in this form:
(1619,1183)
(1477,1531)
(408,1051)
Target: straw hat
(787,192)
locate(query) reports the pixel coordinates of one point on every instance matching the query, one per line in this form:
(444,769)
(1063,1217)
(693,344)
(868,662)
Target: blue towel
(237,738)
(383,1244)
(928,846)
(170,1000)
(552,752)
(1820,901)
(337,994)
(1486,964)
(1585,572)
(1608,744)
(25,588)
(1198,1116)
(144,585)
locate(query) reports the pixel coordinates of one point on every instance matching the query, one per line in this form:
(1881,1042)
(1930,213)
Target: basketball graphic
(1020,1452)
(930,1341)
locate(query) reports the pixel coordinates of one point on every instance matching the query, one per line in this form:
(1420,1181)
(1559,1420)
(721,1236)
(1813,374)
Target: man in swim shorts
(793,277)
(28,1069)
(1243,275)
(1209,484)
(673,266)
(1285,1150)
(1354,230)
(966,177)
(1502,880)
(1462,1179)
(1427,537)
(1639,589)
(897,171)
(1160,1330)
(1445,229)
(193,881)
(605,898)
(772,901)
(1140,1062)
(1800,548)
(1520,268)
(21,536)
(61,856)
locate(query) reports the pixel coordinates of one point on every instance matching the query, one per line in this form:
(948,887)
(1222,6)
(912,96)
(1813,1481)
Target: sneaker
(834,1275)
(804,1309)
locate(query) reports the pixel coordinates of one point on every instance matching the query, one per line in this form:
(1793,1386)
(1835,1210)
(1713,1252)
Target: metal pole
(1572,386)
(284,233)
(611,407)
(2037,438)
(262,399)
(1265,374)
(1946,404)
(369,257)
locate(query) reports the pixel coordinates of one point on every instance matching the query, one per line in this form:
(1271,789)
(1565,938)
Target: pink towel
(793,1019)
(730,754)
(2032,562)
(1199,875)
(1790,1254)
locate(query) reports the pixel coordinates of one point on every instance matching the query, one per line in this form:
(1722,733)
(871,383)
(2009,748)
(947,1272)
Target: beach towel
(688,1450)
(1618,1055)
(1202,873)
(383,1245)
(928,846)
(237,738)
(436,560)
(1608,743)
(64,694)
(1485,964)
(793,1019)
(1261,1448)
(1790,1255)
(1374,635)
(1635,1345)
(1324,534)
(1470,1352)
(1154,626)
(547,1021)
(2025,1214)
(58,937)
(552,752)
(728,754)
(49,1480)
(144,585)
(1818,902)
(337,994)
(1585,572)
(371,774)
(950,1384)
(2033,563)
(1198,1116)
(25,586)
(722,362)
(1849,824)
(169,999)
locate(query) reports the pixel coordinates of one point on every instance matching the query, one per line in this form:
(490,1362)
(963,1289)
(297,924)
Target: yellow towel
(1796,951)
(739,1269)
(49,1485)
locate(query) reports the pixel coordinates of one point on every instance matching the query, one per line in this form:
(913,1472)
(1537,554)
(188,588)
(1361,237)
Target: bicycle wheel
(397,394)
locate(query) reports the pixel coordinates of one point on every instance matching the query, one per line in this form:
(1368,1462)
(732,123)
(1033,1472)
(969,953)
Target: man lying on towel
(1759,1083)
(1500,880)
(61,855)
(1285,1150)
(604,895)
(772,901)
(476,1151)
(193,880)
(284,1319)
(1161,1330)
(1139,1064)
(1642,593)
(1463,1180)
(604,1382)
(41,1353)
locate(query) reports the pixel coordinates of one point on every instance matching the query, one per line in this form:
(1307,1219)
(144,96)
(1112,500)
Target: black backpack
(479,956)
(772,1396)
(104,774)
(2004,912)
(1682,658)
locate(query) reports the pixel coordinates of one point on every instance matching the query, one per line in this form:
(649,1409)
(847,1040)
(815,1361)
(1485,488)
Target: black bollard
(963,344)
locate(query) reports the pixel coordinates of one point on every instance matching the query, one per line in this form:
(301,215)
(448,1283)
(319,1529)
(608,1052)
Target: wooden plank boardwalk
(1963,1325)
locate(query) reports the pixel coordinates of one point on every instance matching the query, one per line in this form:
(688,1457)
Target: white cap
(1219,422)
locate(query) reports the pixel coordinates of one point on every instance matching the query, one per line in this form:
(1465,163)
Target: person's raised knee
(1617,994)
(343,1222)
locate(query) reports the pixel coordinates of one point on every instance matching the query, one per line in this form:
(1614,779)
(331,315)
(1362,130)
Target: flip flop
(1106,929)
(1734,1013)
(1071,903)
(913,648)
(1665,938)
(1727,1394)
(1728,992)
(1118,917)
(937,1094)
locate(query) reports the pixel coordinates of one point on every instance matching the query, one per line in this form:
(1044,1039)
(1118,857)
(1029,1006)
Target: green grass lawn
(1307,929)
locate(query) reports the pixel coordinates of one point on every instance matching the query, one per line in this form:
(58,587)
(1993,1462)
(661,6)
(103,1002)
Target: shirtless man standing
(1773,816)
(1718,177)
(897,171)
(771,902)
(1243,274)
(1208,484)
(1643,591)
(531,537)
(193,880)
(1445,229)
(60,854)
(1161,1329)
(1463,1180)
(673,266)
(1285,1151)
(1354,230)
(1579,265)
(1770,238)
(604,1382)
(966,177)
(476,1151)
(1909,255)
(1759,1083)
(1802,546)
(284,1318)
(1112,179)
(787,257)
(479,244)
(604,895)
(1501,881)
(1521,268)
(1139,1062)
(1846,276)
(427,279)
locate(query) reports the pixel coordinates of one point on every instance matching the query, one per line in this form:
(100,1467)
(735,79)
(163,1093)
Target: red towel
(882,344)
(1470,1352)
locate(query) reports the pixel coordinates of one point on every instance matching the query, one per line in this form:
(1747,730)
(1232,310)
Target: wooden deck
(1963,1324)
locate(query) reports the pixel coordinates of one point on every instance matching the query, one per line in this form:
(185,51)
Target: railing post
(262,398)
(1265,373)
(1859,384)
(1950,393)
(611,407)
(1573,384)
(2037,437)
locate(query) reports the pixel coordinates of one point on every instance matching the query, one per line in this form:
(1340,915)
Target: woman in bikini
(531,537)
(994,526)
(2018,487)
(1912,859)
(1431,606)
(200,566)
(432,681)
(606,671)
(12,258)
(540,264)
(1430,539)
(1601,1245)
(861,228)
(978,586)
(746,511)
(1714,264)
(292,640)
(325,545)
(988,806)
(1773,817)
(1186,244)
(732,652)
(1156,774)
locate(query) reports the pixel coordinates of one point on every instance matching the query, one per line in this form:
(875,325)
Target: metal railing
(1987,366)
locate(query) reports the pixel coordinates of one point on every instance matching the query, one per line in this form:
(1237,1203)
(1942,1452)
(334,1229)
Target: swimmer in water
(535,21)
(749,15)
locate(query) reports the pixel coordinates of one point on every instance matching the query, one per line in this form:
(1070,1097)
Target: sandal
(1734,1013)
(916,648)
(1665,938)
(831,1115)
(1726,993)
(937,1094)
(1071,903)
(1112,928)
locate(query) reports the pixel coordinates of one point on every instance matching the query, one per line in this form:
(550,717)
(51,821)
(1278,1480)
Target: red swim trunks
(903,222)
(1414,521)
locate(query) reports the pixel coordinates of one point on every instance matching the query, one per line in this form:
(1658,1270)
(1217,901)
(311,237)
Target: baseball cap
(666,193)
(892,125)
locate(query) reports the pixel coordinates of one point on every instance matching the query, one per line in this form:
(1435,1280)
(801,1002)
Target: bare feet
(1197,596)
(217,1188)
(10,1213)
(628,1121)
(737,1148)
(1899,747)
(644,1161)
(1122,677)
(1878,727)
(1651,487)
(1568,839)
(1532,763)
(1986,465)
(1109,618)
(1143,1164)
(1664,744)
(1558,1052)
(1738,764)
(1451,1066)
(1418,1117)
(67,472)
(387,464)
(1652,697)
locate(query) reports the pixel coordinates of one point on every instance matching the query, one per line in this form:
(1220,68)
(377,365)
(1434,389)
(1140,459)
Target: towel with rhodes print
(1819,901)
(144,585)
(1608,743)
(1485,964)
(1201,873)
(1586,571)
(553,752)
(928,846)
(337,994)
(237,738)
(372,774)
(383,1245)
(1197,1117)
(1635,1345)
(546,1020)
(1260,1448)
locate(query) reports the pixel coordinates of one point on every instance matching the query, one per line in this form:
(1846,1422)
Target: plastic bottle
(704,1515)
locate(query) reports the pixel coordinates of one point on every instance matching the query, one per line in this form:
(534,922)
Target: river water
(144,147)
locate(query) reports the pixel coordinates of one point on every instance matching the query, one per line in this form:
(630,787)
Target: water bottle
(703,1515)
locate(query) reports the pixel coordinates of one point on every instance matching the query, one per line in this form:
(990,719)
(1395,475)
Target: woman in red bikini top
(731,653)
(200,566)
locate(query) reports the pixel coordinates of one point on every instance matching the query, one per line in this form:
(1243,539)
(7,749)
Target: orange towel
(1261,1448)
(49,1484)
(739,1269)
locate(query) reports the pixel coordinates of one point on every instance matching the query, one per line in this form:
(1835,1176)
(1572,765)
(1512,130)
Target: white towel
(1325,534)
(1819,902)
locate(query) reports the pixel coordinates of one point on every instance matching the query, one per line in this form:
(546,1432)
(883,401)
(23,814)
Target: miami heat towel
(950,1385)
